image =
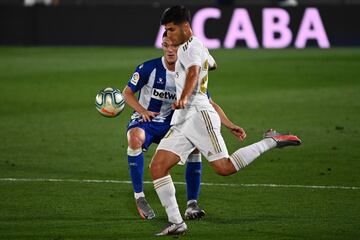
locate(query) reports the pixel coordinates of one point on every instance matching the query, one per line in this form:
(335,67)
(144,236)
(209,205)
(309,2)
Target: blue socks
(193,173)
(193,177)
(136,168)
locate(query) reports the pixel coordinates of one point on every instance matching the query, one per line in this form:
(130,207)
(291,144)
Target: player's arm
(190,58)
(236,130)
(190,84)
(135,84)
(132,101)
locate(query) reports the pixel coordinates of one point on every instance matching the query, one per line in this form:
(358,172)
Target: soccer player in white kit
(195,123)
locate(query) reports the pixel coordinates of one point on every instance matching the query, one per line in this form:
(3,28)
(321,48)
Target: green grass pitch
(50,129)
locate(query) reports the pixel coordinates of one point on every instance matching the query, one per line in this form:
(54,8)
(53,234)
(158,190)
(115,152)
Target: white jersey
(191,53)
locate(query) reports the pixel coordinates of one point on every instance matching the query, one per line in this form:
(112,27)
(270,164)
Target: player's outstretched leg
(193,179)
(136,138)
(244,156)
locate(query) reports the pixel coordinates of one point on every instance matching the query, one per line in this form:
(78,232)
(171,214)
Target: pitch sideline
(269,185)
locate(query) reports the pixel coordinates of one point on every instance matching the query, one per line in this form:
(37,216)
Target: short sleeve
(211,60)
(139,78)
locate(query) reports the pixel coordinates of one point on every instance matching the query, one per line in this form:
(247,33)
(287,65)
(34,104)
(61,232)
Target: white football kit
(198,124)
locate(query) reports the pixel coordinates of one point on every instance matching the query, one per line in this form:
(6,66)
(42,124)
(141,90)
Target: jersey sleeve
(191,55)
(211,60)
(139,78)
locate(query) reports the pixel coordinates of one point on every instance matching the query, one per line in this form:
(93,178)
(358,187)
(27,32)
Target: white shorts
(201,131)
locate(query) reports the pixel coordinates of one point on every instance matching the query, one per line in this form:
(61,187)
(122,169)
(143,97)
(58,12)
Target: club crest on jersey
(135,78)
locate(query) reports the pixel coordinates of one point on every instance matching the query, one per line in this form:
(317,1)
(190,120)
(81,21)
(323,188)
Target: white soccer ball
(110,102)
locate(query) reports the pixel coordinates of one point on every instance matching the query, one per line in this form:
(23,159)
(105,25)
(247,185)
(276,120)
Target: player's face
(170,50)
(176,33)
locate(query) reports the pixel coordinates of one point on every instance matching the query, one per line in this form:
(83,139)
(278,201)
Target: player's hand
(148,115)
(238,132)
(179,104)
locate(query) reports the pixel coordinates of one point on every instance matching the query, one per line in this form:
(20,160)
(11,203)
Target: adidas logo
(210,154)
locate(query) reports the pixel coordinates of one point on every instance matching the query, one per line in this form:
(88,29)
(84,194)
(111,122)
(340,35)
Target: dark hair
(176,14)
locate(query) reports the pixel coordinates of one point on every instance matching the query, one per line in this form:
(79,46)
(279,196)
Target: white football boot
(173,229)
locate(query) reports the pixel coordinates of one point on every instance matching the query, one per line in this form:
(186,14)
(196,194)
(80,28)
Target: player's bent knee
(135,143)
(136,138)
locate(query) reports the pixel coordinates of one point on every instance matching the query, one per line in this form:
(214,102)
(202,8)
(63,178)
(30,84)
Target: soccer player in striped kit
(155,82)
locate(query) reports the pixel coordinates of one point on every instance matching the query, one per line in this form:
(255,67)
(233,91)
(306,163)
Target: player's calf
(223,167)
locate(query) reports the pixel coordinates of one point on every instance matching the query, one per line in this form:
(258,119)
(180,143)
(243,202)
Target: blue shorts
(154,131)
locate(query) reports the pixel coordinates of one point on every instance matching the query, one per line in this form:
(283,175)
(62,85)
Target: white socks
(165,189)
(134,152)
(244,156)
(139,195)
(191,201)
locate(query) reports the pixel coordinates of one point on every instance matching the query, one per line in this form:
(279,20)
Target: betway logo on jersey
(162,95)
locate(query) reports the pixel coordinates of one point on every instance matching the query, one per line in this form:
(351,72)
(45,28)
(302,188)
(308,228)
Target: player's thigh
(175,141)
(157,131)
(136,137)
(162,162)
(203,130)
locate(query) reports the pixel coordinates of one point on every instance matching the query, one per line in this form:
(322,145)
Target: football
(110,102)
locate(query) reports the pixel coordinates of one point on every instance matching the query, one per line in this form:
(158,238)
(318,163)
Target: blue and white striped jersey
(157,89)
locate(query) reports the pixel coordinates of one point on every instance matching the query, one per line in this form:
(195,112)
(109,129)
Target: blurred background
(63,167)
(221,23)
